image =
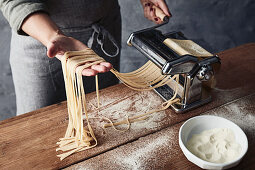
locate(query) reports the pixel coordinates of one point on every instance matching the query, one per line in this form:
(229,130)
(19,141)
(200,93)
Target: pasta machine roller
(194,71)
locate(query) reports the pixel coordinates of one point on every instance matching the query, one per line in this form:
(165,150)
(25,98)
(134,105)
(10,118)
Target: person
(43,28)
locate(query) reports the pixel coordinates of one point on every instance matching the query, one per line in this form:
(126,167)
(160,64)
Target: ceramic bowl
(198,124)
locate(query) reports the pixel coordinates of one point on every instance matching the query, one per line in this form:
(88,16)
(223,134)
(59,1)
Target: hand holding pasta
(60,43)
(79,134)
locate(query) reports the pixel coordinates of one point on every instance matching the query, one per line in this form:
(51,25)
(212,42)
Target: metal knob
(205,73)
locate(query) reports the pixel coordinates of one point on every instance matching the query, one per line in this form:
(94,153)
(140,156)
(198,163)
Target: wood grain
(145,154)
(29,141)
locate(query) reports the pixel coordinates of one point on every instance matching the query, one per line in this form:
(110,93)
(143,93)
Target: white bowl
(198,124)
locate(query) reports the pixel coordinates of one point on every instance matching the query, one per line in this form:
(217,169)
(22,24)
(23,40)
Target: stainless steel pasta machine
(193,70)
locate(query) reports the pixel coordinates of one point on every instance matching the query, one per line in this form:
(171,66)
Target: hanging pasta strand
(78,137)
(143,116)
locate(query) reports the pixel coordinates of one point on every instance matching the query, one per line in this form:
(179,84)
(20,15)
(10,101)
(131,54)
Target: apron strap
(100,35)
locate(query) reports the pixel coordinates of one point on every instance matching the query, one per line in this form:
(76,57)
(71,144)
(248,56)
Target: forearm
(40,26)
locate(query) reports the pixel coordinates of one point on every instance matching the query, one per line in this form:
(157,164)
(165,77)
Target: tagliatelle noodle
(77,137)
(147,77)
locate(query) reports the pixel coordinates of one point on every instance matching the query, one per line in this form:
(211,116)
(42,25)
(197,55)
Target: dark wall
(214,24)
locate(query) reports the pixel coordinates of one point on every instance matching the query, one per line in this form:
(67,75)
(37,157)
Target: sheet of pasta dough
(183,47)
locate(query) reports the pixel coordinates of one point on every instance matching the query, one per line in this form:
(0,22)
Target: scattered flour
(134,105)
(141,154)
(241,113)
(134,160)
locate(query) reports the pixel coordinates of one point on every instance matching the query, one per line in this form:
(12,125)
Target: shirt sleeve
(16,11)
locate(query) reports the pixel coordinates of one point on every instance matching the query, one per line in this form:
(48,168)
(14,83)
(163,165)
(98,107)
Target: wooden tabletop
(29,141)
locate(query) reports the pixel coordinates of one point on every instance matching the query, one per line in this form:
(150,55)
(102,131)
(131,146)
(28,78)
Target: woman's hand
(60,43)
(149,12)
(41,27)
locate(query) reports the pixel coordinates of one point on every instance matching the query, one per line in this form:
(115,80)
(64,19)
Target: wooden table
(29,141)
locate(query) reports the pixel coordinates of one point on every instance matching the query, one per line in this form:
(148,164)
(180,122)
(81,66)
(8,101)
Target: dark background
(214,24)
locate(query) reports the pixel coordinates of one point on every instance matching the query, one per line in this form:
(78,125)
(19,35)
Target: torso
(79,13)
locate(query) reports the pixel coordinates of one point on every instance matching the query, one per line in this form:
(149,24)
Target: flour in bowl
(216,145)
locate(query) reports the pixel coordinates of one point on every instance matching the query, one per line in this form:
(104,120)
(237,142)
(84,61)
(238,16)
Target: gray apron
(38,80)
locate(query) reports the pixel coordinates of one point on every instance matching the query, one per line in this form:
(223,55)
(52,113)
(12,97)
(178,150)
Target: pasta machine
(194,71)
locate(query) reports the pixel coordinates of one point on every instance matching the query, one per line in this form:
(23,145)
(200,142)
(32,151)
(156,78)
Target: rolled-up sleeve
(16,11)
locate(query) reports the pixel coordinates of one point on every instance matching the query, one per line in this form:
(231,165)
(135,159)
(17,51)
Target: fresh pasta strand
(143,116)
(114,127)
(97,91)
(147,77)
(78,137)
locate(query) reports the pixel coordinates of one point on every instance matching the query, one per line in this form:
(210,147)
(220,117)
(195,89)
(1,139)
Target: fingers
(102,67)
(89,72)
(162,5)
(95,69)
(149,12)
(99,68)
(107,65)
(153,16)
(58,46)
(146,10)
